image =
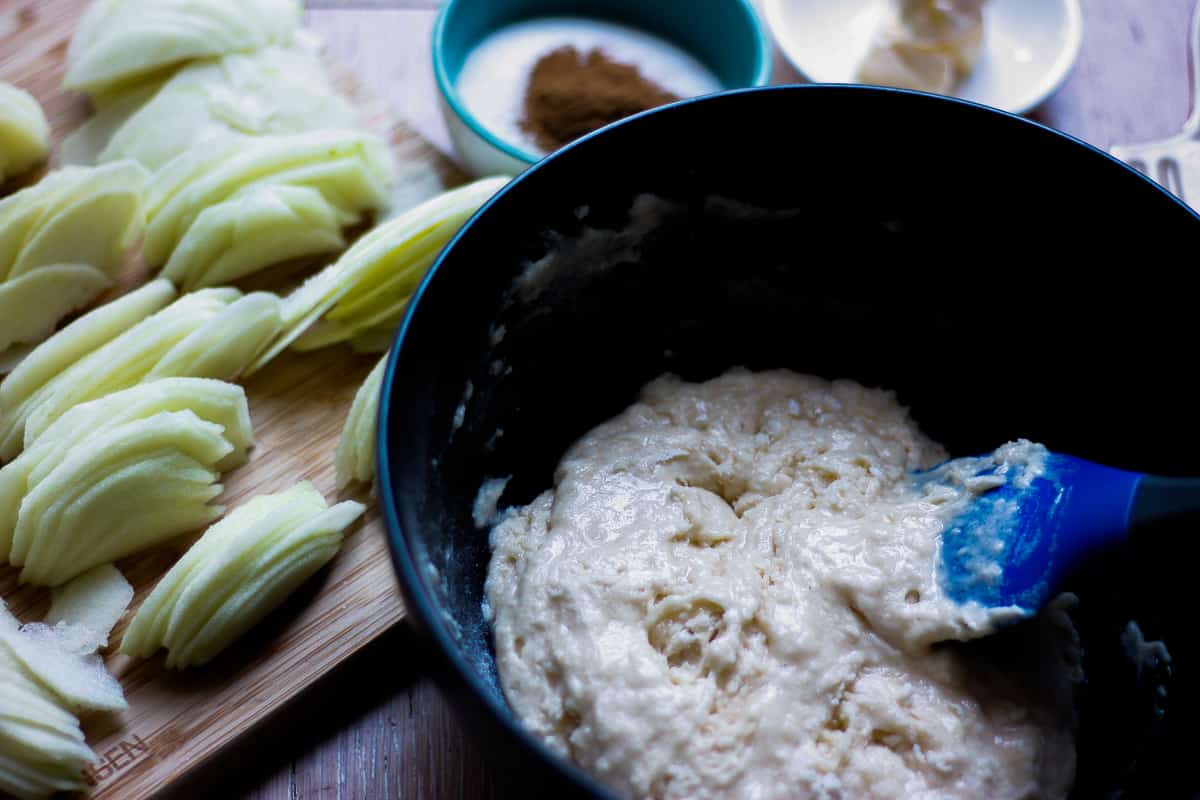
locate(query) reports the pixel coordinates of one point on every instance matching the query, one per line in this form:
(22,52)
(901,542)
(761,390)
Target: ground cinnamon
(571,94)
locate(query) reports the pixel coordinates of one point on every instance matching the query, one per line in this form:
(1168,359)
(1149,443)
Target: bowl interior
(1005,280)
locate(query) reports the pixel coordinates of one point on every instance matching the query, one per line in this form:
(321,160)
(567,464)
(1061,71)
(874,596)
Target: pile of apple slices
(121,42)
(270,91)
(24,132)
(212,333)
(62,242)
(226,209)
(361,297)
(118,475)
(49,673)
(240,570)
(256,159)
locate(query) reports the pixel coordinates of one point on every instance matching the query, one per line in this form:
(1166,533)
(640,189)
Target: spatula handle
(1161,501)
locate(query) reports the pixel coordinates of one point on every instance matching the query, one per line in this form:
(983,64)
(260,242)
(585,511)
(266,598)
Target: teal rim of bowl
(762,74)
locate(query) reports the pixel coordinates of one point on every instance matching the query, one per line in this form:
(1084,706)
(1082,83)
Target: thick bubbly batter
(731,592)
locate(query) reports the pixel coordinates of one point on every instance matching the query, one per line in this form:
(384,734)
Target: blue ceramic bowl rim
(762,73)
(403,559)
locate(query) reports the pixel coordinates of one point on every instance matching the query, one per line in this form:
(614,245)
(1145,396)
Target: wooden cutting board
(298,404)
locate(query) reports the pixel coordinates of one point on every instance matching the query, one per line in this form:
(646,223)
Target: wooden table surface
(378,727)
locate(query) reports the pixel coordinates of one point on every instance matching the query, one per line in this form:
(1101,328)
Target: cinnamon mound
(571,94)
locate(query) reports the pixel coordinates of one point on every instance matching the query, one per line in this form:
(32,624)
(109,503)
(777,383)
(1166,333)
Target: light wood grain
(176,721)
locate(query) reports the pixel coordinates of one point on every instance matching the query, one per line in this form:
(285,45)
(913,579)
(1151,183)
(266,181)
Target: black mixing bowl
(1006,280)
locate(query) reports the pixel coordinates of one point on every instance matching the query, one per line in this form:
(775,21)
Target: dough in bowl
(731,592)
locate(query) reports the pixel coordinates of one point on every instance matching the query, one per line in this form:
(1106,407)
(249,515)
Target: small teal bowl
(725,35)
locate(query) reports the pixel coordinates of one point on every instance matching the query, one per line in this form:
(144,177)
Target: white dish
(1028,50)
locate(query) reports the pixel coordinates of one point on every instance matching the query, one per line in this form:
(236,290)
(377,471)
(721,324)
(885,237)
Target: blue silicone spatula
(1012,545)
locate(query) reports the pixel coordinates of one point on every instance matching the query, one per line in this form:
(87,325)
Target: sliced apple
(116,493)
(62,242)
(31,305)
(118,364)
(400,245)
(153,615)
(213,400)
(226,343)
(11,358)
(21,212)
(44,674)
(211,333)
(268,91)
(185,189)
(88,215)
(223,404)
(92,604)
(79,681)
(24,132)
(355,458)
(42,749)
(240,570)
(81,337)
(119,42)
(254,229)
(34,233)
(84,145)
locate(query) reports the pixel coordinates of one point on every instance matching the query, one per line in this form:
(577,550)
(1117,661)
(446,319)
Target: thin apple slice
(224,565)
(96,230)
(95,464)
(226,343)
(355,458)
(273,579)
(31,305)
(354,183)
(24,132)
(87,474)
(105,524)
(117,364)
(240,570)
(62,242)
(264,585)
